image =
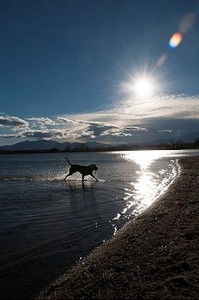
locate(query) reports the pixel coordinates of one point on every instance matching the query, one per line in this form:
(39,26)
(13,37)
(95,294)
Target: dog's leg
(71,171)
(94,177)
(82,181)
(67,176)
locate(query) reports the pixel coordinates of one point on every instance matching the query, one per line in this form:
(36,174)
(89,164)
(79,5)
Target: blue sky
(68,70)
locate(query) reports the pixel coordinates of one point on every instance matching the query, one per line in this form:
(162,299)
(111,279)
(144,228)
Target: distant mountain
(190,138)
(47,145)
(42,145)
(95,145)
(33,145)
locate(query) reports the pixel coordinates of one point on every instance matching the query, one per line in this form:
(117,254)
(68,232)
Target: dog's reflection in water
(84,170)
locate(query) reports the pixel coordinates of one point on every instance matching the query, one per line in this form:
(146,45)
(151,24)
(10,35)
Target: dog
(84,170)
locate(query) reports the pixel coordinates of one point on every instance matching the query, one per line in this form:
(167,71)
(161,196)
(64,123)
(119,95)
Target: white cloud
(165,130)
(40,122)
(166,106)
(127,120)
(13,122)
(44,134)
(7,136)
(66,120)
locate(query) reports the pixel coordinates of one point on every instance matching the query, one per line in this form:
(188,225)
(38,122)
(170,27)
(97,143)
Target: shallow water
(48,224)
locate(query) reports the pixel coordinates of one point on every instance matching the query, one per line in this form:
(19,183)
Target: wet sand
(153,257)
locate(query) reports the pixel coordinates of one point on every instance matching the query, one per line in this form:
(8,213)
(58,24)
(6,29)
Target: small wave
(101,180)
(31,178)
(16,178)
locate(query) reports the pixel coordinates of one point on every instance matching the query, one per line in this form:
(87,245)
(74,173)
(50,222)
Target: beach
(154,256)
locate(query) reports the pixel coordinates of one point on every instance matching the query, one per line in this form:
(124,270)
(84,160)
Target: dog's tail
(68,161)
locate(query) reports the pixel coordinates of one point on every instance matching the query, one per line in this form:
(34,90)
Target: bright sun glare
(143,87)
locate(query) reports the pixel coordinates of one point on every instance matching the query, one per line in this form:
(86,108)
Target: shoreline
(154,256)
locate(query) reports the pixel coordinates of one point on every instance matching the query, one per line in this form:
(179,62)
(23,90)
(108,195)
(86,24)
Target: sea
(47,224)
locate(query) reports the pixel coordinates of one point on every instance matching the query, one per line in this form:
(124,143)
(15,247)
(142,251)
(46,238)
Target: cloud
(41,121)
(128,120)
(13,122)
(165,106)
(43,134)
(134,128)
(165,130)
(7,136)
(100,129)
(66,120)
(135,118)
(86,125)
(90,129)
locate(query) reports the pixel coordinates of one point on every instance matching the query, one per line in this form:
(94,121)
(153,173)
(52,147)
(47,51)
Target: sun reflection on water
(148,185)
(143,158)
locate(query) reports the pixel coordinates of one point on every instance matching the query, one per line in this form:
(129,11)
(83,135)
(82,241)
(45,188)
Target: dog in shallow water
(84,170)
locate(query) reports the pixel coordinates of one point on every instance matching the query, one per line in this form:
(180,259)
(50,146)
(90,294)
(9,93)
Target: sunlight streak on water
(146,187)
(151,183)
(143,158)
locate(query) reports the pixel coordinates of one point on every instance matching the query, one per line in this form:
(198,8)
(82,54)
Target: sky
(112,71)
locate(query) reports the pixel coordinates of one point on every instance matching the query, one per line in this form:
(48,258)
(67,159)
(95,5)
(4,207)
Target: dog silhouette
(84,170)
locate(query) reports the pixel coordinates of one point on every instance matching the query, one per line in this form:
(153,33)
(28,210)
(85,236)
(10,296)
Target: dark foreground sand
(153,257)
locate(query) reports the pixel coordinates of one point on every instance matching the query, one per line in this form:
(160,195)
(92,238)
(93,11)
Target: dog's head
(93,167)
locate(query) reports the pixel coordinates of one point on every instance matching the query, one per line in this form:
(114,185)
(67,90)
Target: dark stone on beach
(191,235)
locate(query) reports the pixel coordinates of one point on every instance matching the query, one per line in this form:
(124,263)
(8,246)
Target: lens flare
(175,40)
(162,59)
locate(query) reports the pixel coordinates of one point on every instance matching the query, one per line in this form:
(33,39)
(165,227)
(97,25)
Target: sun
(143,87)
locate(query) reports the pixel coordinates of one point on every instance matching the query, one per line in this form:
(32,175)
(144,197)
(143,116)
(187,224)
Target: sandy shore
(153,257)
